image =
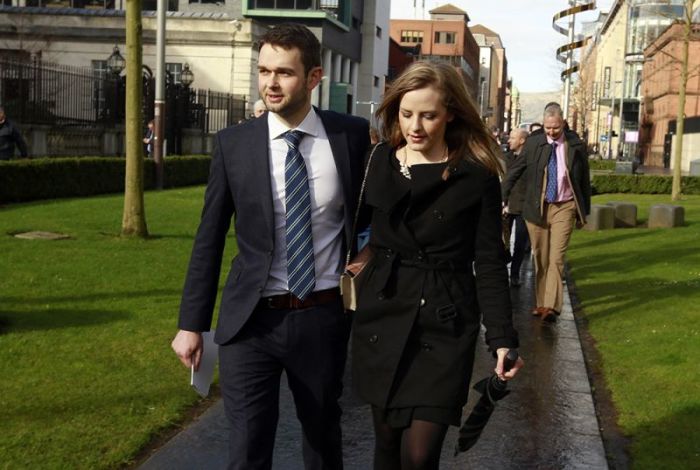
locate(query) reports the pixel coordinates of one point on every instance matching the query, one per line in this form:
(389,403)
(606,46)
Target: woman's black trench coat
(418,314)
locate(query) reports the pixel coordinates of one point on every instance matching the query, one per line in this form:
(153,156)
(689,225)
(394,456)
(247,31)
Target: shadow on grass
(56,318)
(631,294)
(670,442)
(23,300)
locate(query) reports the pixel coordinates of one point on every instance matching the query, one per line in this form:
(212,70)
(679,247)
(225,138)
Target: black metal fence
(42,93)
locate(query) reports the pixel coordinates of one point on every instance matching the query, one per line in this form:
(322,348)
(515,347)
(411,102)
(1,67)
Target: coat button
(422,302)
(373,339)
(438,214)
(421,256)
(426,347)
(380,296)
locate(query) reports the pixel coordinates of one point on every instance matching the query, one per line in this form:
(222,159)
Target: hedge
(50,178)
(642,184)
(601,164)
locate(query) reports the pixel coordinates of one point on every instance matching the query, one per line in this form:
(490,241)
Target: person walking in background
(259,108)
(554,166)
(435,203)
(292,180)
(149,138)
(512,212)
(9,138)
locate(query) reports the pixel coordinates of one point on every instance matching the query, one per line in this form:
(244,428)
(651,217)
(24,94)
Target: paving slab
(547,422)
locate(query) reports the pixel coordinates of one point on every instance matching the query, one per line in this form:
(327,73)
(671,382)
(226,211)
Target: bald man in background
(513,211)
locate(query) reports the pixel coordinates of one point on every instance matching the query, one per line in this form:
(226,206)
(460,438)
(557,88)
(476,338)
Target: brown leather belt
(290,301)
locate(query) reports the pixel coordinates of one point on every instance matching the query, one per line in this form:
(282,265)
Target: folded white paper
(201,378)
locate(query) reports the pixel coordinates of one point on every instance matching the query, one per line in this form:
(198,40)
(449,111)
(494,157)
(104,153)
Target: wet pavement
(547,422)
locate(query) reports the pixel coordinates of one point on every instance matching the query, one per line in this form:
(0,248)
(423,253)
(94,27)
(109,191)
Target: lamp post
(115,65)
(186,76)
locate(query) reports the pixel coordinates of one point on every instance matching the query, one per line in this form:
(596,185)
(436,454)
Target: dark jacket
(419,311)
(532,166)
(9,137)
(239,183)
(517,194)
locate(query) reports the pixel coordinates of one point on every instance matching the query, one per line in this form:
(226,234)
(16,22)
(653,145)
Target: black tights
(416,447)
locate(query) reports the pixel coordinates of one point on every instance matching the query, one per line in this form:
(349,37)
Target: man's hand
(579,224)
(501,355)
(504,211)
(188,346)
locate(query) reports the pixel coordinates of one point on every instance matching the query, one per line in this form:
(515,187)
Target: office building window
(376,81)
(445,37)
(100,73)
(174,72)
(288,4)
(379,32)
(412,36)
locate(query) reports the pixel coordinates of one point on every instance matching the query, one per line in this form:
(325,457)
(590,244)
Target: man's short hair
(522,132)
(291,35)
(553,109)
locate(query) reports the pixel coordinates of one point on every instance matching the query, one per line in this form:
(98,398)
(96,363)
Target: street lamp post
(115,65)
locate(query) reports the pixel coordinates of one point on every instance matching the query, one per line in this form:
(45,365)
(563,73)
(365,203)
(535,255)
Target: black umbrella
(492,389)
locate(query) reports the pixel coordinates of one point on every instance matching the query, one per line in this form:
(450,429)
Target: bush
(51,178)
(601,164)
(642,184)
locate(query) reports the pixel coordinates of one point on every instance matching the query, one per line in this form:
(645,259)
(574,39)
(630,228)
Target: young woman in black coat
(438,267)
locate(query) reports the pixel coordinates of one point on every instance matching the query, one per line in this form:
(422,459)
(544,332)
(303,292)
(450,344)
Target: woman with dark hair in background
(438,267)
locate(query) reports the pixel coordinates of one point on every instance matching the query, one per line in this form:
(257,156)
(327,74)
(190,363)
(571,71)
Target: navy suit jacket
(239,183)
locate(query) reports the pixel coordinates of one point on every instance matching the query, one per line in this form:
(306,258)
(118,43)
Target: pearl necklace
(405,168)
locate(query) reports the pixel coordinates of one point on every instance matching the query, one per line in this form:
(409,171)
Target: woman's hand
(505,376)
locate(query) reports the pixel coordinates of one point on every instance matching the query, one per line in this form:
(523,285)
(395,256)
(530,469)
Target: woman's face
(423,119)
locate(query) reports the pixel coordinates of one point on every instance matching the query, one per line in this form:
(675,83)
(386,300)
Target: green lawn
(87,374)
(640,292)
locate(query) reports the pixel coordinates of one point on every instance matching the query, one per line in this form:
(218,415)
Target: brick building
(445,37)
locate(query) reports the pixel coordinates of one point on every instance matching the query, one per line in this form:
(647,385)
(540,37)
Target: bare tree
(682,86)
(134,218)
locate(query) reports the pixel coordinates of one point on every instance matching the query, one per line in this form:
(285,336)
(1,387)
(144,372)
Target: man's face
(516,140)
(553,126)
(283,85)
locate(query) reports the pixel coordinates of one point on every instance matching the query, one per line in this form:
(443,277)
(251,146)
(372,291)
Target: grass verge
(88,377)
(640,294)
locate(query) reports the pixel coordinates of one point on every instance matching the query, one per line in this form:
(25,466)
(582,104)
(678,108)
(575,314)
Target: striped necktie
(551,191)
(300,247)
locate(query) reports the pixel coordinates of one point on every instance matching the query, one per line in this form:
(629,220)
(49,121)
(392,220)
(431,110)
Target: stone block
(602,217)
(694,167)
(666,216)
(625,214)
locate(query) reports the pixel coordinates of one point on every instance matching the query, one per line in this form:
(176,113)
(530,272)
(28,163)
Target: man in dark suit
(558,192)
(292,179)
(513,211)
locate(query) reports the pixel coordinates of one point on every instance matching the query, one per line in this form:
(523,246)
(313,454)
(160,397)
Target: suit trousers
(310,345)
(520,245)
(549,243)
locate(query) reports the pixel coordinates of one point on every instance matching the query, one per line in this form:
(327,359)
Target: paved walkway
(548,421)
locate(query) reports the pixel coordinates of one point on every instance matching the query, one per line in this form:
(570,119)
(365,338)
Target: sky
(525,27)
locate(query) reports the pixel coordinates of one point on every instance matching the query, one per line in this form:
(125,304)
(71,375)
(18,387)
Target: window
(174,72)
(445,37)
(376,81)
(99,72)
(289,4)
(378,32)
(412,36)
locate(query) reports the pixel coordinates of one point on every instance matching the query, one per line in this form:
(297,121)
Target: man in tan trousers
(558,194)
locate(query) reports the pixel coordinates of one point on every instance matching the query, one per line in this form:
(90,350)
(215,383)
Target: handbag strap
(359,204)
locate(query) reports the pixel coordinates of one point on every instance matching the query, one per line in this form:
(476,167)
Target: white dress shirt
(327,210)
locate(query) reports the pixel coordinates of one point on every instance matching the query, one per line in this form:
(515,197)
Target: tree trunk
(134,219)
(680,120)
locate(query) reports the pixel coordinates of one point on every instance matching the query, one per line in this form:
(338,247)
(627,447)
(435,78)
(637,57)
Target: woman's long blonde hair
(466,136)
